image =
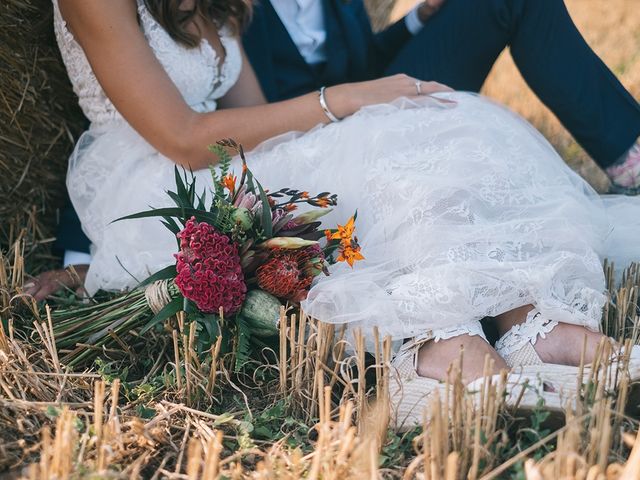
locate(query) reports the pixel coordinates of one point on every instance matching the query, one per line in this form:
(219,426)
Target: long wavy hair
(234,14)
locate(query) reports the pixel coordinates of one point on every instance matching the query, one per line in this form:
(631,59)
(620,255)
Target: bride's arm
(247,91)
(140,89)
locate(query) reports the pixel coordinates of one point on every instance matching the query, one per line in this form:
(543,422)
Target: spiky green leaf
(169,310)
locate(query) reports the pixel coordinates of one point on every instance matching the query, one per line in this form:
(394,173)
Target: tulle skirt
(464,211)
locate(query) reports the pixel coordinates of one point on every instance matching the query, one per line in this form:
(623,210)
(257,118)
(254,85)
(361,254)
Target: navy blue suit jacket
(354,52)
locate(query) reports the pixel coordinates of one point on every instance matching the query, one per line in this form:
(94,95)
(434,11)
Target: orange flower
(350,255)
(328,233)
(290,207)
(345,232)
(304,195)
(229,182)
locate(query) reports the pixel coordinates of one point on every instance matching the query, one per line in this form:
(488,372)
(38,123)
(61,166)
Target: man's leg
(460,44)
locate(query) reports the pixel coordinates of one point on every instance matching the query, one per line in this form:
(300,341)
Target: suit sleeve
(256,44)
(383,46)
(70,235)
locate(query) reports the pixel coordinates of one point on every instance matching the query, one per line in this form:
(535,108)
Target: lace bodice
(196,72)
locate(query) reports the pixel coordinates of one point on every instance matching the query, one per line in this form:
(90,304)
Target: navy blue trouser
(460,44)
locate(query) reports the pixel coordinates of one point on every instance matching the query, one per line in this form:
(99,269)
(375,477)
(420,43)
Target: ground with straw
(312,405)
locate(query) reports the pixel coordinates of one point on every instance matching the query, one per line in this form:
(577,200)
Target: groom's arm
(384,45)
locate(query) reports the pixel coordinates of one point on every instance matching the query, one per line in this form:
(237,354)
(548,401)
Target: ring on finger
(418,87)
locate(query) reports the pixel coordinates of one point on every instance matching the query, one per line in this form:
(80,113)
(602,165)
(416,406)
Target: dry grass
(177,422)
(612,28)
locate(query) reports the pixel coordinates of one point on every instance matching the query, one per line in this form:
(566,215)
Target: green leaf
(224,164)
(145,412)
(251,188)
(180,213)
(177,200)
(182,190)
(191,194)
(267,224)
(243,346)
(171,225)
(202,200)
(169,310)
(210,323)
(189,306)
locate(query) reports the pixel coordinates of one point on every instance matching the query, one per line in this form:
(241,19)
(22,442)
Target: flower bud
(248,201)
(287,243)
(241,216)
(242,191)
(310,216)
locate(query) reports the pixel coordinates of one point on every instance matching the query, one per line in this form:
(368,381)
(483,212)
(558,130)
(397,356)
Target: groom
(297,46)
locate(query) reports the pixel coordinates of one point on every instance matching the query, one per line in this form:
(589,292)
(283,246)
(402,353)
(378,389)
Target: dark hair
(232,13)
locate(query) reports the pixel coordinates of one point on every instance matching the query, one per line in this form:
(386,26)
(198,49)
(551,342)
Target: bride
(465,211)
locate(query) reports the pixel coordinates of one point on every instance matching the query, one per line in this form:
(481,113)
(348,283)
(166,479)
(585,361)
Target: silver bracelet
(325,107)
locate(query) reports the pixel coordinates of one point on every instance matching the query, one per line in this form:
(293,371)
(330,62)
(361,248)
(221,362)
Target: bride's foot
(525,331)
(564,345)
(422,367)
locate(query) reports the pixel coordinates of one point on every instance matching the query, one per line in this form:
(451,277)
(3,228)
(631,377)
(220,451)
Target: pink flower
(209,271)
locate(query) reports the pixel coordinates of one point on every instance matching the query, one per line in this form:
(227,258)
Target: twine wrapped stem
(158,295)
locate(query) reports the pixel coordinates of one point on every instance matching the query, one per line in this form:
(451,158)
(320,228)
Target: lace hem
(534,327)
(411,347)
(469,328)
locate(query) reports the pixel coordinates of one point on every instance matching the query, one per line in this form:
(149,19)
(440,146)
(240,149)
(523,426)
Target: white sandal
(410,394)
(516,347)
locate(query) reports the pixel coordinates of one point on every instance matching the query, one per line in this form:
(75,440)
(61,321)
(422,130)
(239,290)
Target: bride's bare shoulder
(99,17)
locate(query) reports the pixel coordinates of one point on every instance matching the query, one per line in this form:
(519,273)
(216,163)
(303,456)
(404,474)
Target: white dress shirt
(304,20)
(71,257)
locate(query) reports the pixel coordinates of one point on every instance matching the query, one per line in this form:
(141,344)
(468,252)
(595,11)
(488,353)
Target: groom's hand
(428,9)
(48,283)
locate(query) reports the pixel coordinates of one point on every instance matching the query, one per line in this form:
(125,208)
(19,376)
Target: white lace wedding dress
(464,210)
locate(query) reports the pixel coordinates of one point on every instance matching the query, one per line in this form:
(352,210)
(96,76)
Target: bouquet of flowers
(241,256)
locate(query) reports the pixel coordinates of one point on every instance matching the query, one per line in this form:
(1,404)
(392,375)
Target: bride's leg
(563,345)
(421,370)
(435,358)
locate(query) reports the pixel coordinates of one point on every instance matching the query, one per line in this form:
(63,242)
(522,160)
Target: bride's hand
(348,98)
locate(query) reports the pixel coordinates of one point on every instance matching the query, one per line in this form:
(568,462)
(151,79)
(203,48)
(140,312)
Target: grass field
(157,408)
(612,28)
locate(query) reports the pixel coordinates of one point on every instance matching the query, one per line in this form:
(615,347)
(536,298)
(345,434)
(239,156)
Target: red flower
(288,273)
(209,271)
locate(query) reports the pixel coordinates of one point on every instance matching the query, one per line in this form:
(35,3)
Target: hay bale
(39,117)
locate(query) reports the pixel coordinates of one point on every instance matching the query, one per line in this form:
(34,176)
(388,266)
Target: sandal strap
(516,346)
